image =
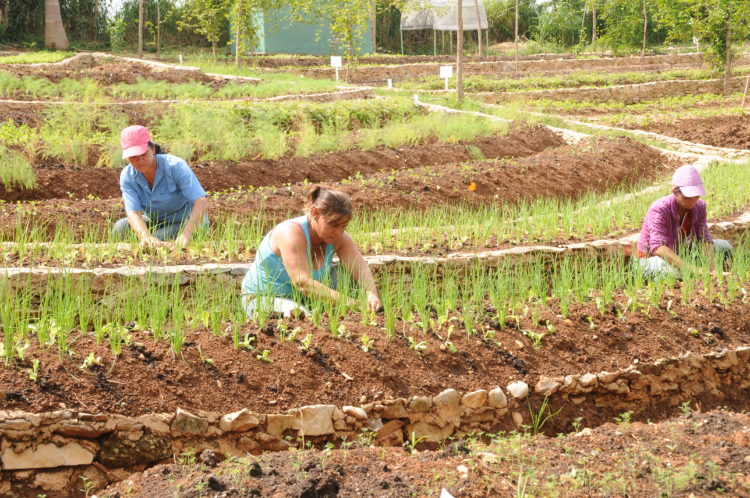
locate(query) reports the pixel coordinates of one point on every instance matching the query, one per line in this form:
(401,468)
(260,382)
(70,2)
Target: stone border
(51,450)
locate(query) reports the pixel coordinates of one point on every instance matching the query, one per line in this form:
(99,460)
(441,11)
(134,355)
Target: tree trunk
(728,66)
(479,29)
(158,30)
(54,31)
(516,36)
(238,34)
(645,31)
(460,51)
(373,24)
(593,24)
(140,29)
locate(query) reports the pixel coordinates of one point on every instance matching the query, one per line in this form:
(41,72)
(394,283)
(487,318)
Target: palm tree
(54,31)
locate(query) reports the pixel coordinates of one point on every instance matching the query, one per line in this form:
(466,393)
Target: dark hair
(329,202)
(157,148)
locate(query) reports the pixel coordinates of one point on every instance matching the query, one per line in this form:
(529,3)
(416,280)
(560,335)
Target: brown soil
(337,371)
(567,171)
(731,131)
(56,180)
(109,71)
(693,455)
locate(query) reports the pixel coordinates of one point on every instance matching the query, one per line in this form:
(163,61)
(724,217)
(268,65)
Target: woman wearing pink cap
(163,198)
(673,223)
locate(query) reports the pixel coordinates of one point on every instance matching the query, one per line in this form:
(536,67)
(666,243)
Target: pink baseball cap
(689,180)
(134,141)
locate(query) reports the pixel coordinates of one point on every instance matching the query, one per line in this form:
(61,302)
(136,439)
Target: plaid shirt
(662,226)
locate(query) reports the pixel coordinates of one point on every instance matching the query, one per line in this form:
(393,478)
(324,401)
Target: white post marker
(180,58)
(390,83)
(336,63)
(697,42)
(446,72)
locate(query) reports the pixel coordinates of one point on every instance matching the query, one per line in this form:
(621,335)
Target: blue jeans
(656,267)
(162,231)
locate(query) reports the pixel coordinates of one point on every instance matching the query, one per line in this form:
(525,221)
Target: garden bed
(732,131)
(697,453)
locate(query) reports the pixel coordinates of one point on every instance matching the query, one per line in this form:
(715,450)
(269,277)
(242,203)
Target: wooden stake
(744,98)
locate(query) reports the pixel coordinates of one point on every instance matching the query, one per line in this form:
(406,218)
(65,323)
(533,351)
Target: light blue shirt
(171,199)
(267,276)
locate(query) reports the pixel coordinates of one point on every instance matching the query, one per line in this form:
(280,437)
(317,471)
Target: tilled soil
(110,71)
(732,131)
(57,180)
(338,371)
(563,172)
(697,454)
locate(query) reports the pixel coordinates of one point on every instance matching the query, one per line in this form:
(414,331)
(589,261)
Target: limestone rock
(81,430)
(607,377)
(394,409)
(474,399)
(276,424)
(391,434)
(46,456)
(448,406)
(420,404)
(517,418)
(547,386)
(497,399)
(187,423)
(158,423)
(356,412)
(429,433)
(317,420)
(239,421)
(518,389)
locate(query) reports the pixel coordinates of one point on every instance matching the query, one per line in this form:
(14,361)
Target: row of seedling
(540,220)
(422,304)
(479,83)
(222,131)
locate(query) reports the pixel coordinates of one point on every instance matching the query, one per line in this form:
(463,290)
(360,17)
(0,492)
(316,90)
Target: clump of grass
(35,57)
(15,170)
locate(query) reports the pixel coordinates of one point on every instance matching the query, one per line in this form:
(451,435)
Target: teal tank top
(267,275)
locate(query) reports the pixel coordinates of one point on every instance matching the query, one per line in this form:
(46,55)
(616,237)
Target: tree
(460,51)
(140,29)
(560,23)
(347,19)
(624,24)
(501,18)
(717,22)
(54,31)
(244,16)
(209,18)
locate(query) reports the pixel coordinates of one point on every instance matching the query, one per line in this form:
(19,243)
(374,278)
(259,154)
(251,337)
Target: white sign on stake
(336,63)
(446,72)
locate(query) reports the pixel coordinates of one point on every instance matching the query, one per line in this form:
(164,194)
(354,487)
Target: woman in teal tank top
(298,254)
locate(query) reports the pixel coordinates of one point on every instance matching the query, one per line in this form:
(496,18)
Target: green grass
(16,172)
(35,57)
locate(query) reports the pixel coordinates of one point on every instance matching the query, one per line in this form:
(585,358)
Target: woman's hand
(373,302)
(150,241)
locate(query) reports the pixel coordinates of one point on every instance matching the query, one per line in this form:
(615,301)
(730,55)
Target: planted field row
(199,132)
(479,83)
(510,190)
(390,149)
(472,326)
(378,74)
(559,217)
